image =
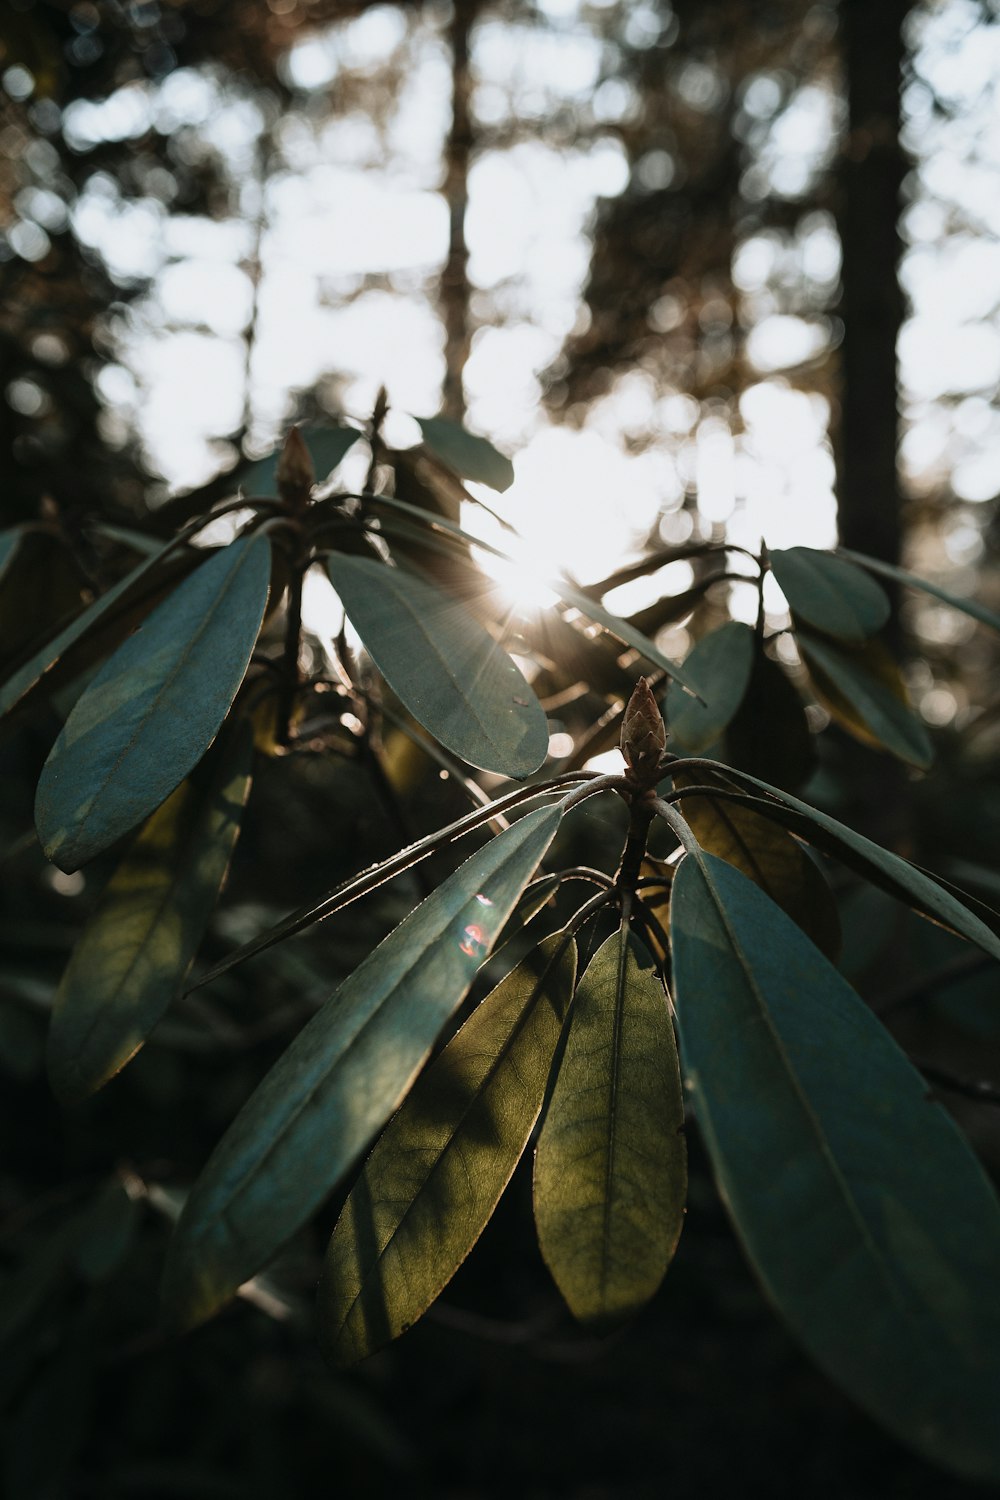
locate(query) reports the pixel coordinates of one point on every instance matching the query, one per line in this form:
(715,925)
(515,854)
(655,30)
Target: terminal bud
(296,474)
(644,735)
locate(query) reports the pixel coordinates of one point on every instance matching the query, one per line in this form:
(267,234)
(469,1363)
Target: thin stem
(290,678)
(676,823)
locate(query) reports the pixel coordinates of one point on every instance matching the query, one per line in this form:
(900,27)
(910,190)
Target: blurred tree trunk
(453,293)
(872,170)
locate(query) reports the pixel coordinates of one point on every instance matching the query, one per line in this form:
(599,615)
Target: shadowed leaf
(610,1170)
(862,689)
(154,708)
(861,1207)
(433,1180)
(343,1076)
(131,960)
(468,455)
(718,668)
(967,606)
(9,542)
(442,665)
(327,446)
(830,593)
(769,733)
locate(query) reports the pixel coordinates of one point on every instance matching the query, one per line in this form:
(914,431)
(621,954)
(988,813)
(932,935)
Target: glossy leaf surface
(767,855)
(911,580)
(328,446)
(831,594)
(130,962)
(866,1216)
(718,668)
(443,666)
(345,1073)
(154,708)
(862,689)
(433,1180)
(470,456)
(611,1164)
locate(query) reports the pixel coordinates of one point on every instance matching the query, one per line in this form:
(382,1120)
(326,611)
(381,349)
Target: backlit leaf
(957,601)
(768,855)
(470,456)
(862,689)
(831,594)
(442,665)
(131,960)
(433,1180)
(867,1218)
(344,1074)
(718,668)
(154,708)
(328,446)
(610,1170)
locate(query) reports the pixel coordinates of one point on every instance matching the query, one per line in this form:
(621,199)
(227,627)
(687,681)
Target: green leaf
(344,1074)
(154,708)
(769,733)
(9,543)
(718,668)
(328,446)
(889,871)
(569,595)
(887,570)
(107,1232)
(830,593)
(130,962)
(433,1180)
(864,1212)
(440,663)
(767,855)
(610,1170)
(862,689)
(470,456)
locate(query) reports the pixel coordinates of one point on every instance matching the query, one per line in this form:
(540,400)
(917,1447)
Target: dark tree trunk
(453,293)
(872,170)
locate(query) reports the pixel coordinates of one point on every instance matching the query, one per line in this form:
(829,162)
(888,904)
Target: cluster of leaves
(862,1208)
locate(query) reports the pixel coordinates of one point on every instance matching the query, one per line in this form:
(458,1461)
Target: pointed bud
(296,474)
(644,736)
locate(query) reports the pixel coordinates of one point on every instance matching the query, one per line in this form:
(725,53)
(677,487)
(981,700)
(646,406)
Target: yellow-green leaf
(433,1180)
(131,959)
(154,708)
(611,1165)
(862,688)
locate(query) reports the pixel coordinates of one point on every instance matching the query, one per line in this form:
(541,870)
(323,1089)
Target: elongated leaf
(444,667)
(470,456)
(889,871)
(328,446)
(154,708)
(719,670)
(828,592)
(343,1076)
(769,856)
(863,690)
(769,733)
(133,955)
(575,597)
(611,1165)
(863,1210)
(911,580)
(433,1180)
(9,542)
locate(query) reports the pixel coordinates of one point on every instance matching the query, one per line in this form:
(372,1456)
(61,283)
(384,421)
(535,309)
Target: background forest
(708,271)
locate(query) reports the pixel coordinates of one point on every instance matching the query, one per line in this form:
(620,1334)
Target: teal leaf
(470,456)
(889,871)
(154,708)
(611,1165)
(862,688)
(9,543)
(328,446)
(831,594)
(433,1180)
(718,668)
(864,1212)
(130,962)
(342,1077)
(440,662)
(911,580)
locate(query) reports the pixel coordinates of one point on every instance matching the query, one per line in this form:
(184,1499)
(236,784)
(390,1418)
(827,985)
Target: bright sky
(354,230)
